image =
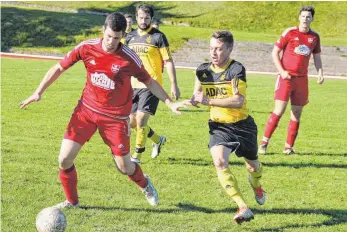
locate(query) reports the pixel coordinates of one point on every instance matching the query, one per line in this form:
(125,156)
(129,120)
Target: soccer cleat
(259,193)
(243,215)
(67,205)
(151,193)
(262,149)
(289,151)
(156,147)
(135,160)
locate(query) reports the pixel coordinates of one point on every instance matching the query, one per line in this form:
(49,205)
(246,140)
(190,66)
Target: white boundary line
(25,56)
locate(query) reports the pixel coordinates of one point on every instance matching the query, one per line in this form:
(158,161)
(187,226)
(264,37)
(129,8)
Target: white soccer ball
(51,220)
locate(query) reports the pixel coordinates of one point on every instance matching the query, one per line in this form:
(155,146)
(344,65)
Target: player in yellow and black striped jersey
(152,47)
(129,19)
(221,84)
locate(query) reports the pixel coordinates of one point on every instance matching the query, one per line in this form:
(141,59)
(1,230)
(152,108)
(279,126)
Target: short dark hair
(116,21)
(146,8)
(307,8)
(225,36)
(128,16)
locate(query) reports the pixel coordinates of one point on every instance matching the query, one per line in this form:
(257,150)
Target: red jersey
(108,89)
(297,48)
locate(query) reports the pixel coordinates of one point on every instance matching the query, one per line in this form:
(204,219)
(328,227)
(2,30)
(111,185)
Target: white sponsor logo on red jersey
(302,50)
(102,81)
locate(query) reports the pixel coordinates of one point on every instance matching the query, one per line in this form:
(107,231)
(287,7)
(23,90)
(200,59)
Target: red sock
(138,177)
(271,125)
(293,129)
(68,178)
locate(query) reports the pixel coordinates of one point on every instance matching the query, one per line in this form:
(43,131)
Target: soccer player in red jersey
(105,105)
(297,44)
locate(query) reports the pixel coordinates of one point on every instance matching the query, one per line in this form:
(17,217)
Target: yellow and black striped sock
(229,183)
(140,143)
(153,136)
(256,176)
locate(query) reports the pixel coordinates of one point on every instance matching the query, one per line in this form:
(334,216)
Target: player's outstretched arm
(51,76)
(160,93)
(319,67)
(197,89)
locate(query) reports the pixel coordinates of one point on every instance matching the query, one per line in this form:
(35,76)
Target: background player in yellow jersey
(221,84)
(129,19)
(153,48)
(155,24)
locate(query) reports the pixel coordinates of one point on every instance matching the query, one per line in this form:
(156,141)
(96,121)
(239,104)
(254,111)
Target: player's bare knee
(141,123)
(125,169)
(252,166)
(64,162)
(279,112)
(220,164)
(133,122)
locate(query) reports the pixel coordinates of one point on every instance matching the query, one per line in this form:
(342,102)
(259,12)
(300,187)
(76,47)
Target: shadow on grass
(33,27)
(194,110)
(260,112)
(203,162)
(159,11)
(321,154)
(337,217)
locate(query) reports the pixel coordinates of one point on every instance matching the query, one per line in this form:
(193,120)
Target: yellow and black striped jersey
(219,83)
(126,34)
(153,48)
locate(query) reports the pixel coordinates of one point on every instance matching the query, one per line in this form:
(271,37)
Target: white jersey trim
(90,42)
(132,55)
(288,30)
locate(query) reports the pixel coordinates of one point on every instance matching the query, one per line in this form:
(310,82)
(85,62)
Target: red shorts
(115,132)
(295,88)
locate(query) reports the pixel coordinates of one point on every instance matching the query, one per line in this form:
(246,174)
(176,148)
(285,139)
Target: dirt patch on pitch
(256,56)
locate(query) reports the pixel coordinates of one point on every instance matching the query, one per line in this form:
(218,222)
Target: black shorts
(144,101)
(240,137)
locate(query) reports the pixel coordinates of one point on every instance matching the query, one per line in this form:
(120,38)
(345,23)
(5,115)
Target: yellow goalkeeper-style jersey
(219,83)
(153,48)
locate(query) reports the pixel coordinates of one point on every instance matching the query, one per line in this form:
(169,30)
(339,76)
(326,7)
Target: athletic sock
(270,127)
(68,178)
(153,136)
(256,176)
(138,178)
(229,183)
(141,138)
(293,129)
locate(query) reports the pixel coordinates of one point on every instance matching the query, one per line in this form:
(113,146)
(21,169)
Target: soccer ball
(51,220)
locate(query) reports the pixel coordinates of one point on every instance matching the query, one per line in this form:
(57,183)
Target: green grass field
(305,192)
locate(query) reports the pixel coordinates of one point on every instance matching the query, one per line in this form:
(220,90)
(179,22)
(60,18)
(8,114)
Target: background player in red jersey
(297,44)
(105,105)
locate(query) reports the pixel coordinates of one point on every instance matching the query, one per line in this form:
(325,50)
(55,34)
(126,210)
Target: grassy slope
(57,32)
(305,192)
(254,16)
